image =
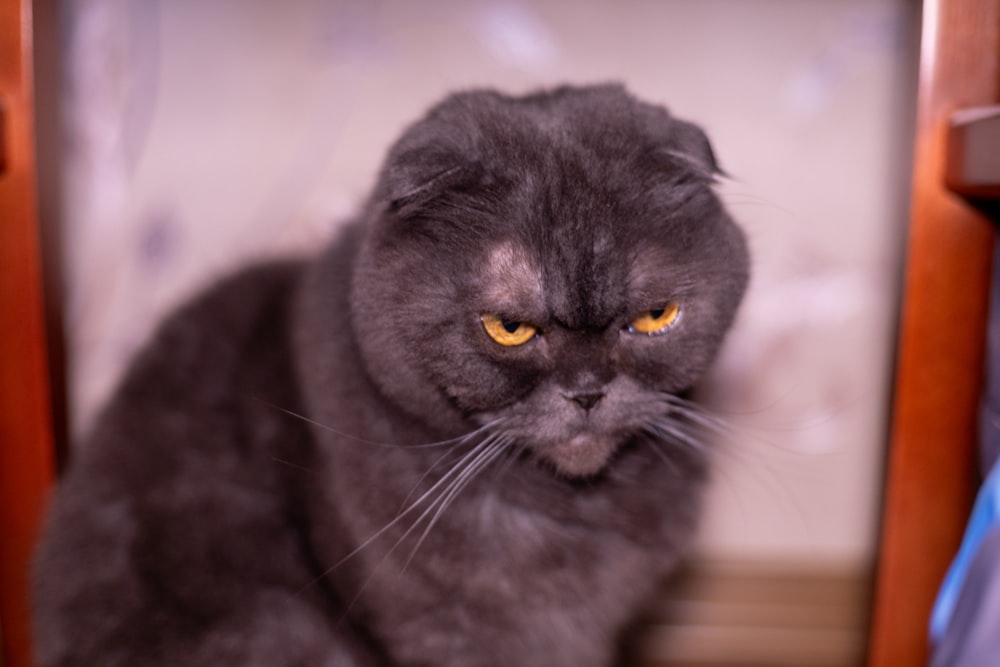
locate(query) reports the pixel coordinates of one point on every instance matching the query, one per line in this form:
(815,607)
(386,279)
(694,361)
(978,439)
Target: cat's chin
(583,455)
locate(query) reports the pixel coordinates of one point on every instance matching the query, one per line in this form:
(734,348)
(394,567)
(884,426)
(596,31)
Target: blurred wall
(204,134)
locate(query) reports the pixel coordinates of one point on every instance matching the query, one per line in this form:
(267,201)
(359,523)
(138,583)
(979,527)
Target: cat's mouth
(582,455)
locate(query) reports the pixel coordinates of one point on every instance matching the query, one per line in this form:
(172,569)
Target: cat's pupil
(510,325)
(657,314)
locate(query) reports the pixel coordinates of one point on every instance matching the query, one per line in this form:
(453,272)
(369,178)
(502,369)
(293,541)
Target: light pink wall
(204,134)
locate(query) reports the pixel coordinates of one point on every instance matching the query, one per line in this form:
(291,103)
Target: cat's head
(556,263)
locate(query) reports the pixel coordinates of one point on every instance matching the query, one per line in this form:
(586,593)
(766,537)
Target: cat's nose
(587,400)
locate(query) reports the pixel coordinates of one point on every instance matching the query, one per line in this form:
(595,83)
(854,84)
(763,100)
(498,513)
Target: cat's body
(336,463)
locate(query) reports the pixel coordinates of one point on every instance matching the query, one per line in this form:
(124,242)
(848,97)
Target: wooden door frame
(26,448)
(931,476)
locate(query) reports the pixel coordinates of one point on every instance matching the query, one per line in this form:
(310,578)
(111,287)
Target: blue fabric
(985,516)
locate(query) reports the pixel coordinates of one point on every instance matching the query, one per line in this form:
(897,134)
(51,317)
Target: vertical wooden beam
(931,467)
(25,421)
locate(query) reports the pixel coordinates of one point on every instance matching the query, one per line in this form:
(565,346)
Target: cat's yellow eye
(657,320)
(508,332)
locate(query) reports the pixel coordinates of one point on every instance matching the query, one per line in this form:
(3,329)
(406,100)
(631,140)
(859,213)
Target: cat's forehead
(577,288)
(583,285)
(646,268)
(512,276)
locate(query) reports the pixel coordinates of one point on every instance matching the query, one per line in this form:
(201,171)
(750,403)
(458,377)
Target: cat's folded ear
(416,177)
(691,147)
(433,157)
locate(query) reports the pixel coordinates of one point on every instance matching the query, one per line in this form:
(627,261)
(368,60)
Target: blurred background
(200,135)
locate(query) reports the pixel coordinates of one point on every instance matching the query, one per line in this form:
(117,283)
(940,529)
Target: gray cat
(460,436)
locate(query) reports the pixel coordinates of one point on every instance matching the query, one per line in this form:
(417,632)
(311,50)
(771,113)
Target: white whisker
(672,432)
(698,415)
(467,466)
(653,442)
(448,453)
(290,464)
(458,484)
(443,481)
(326,427)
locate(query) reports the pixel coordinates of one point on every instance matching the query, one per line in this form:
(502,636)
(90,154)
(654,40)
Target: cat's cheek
(476,402)
(658,373)
(486,386)
(669,363)
(492,377)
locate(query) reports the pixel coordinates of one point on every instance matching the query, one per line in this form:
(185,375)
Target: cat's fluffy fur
(265,487)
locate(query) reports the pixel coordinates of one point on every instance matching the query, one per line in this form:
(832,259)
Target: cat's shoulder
(223,328)
(239,299)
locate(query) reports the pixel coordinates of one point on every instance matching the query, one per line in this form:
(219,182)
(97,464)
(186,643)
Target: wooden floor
(745,616)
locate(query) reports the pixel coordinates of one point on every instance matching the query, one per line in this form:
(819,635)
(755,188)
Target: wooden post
(26,450)
(931,474)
